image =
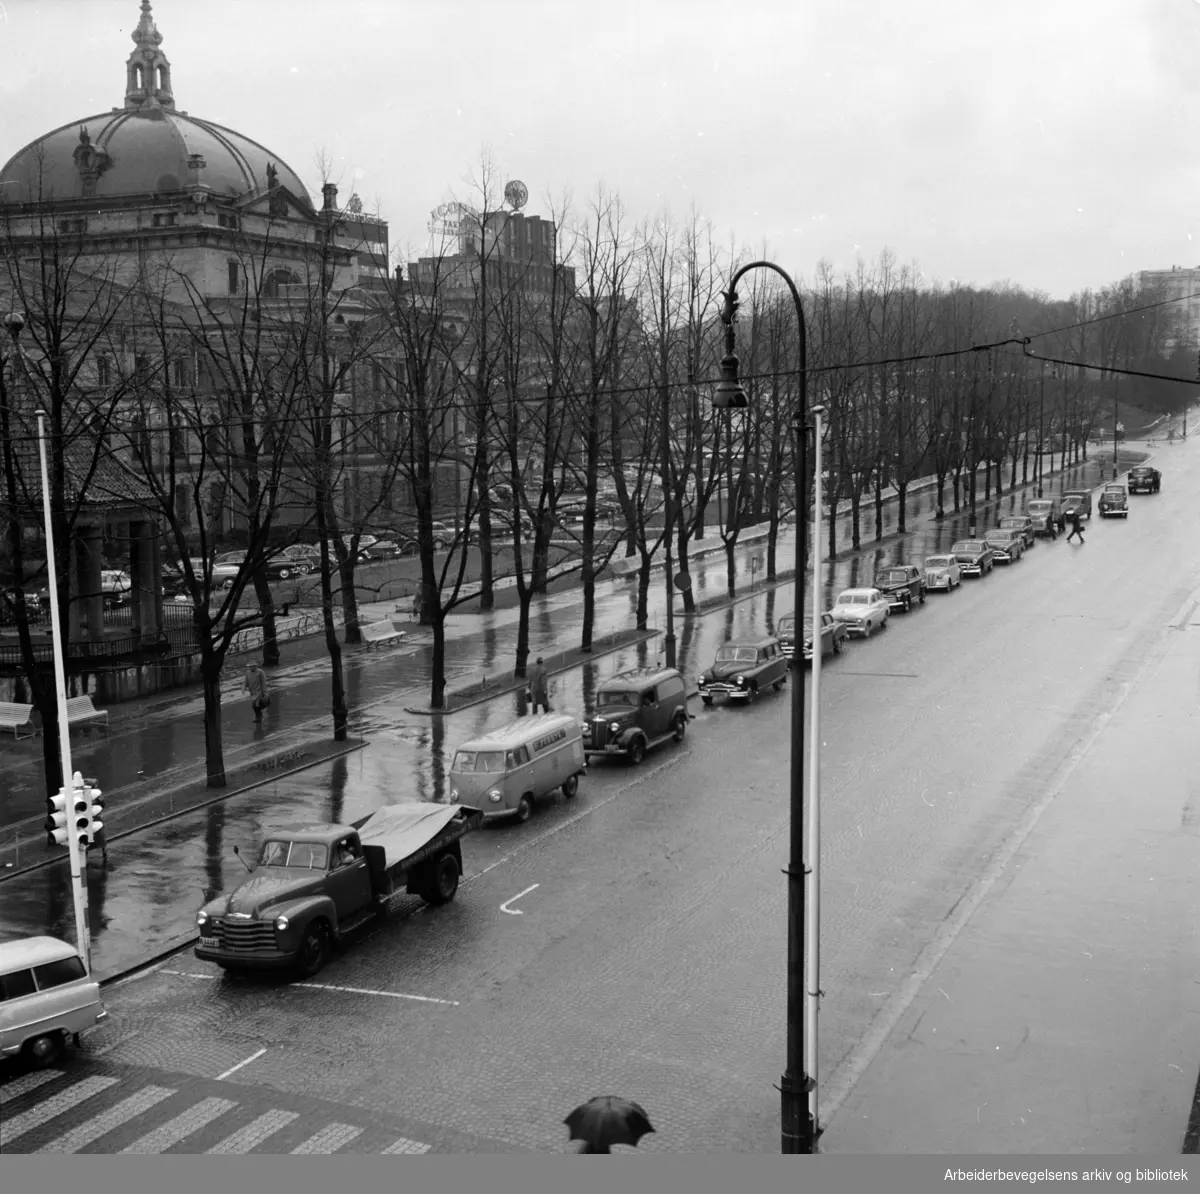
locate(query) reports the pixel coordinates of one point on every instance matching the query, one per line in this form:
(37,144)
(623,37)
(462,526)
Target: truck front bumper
(236,959)
(725,690)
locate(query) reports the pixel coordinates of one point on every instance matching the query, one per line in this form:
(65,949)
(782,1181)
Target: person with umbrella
(602,1122)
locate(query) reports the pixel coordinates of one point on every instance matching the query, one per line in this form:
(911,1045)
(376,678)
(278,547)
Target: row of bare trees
(498,393)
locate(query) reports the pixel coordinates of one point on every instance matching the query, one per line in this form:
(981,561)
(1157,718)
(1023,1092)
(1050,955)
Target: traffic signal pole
(78,883)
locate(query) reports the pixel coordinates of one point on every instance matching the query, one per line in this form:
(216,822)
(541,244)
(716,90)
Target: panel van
(508,770)
(46,996)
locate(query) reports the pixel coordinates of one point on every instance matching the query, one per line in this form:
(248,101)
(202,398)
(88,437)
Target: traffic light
(95,810)
(86,809)
(56,822)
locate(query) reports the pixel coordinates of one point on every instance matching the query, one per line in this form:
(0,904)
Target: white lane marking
(186,1124)
(24,1084)
(189,974)
(369,991)
(234,1069)
(46,1111)
(91,1130)
(255,1132)
(517,911)
(404,1145)
(329,1140)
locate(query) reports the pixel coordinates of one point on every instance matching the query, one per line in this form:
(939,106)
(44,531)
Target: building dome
(146,148)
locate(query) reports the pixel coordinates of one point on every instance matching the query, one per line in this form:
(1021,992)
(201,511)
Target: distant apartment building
(1181,283)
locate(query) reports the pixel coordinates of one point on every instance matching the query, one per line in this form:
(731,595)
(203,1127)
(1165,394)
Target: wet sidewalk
(1063,1017)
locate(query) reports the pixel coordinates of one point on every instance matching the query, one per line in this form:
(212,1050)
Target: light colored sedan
(861,611)
(942,572)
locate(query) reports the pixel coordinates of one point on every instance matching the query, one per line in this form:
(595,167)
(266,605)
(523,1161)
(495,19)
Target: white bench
(81,711)
(375,634)
(16,718)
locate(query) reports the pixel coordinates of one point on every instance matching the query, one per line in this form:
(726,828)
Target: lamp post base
(798,1130)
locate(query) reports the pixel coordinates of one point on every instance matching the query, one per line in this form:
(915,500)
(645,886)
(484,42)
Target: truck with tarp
(315,884)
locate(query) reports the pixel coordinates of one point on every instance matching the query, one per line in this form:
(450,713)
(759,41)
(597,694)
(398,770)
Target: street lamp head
(14,321)
(729,394)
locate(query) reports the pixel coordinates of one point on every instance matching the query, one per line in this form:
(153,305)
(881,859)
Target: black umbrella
(608,1120)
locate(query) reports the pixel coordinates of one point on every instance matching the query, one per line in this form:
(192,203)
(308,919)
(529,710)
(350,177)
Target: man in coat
(255,684)
(539,687)
(1076,526)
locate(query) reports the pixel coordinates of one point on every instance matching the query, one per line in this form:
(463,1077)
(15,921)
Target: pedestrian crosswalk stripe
(255,1132)
(91,1130)
(329,1139)
(181,1127)
(25,1083)
(54,1106)
(405,1146)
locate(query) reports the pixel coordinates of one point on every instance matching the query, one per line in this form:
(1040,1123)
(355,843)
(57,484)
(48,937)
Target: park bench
(16,718)
(81,711)
(374,634)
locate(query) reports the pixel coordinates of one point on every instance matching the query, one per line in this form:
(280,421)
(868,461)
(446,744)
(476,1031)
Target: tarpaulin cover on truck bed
(400,830)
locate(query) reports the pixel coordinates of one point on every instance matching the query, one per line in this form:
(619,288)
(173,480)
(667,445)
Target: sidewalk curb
(225,794)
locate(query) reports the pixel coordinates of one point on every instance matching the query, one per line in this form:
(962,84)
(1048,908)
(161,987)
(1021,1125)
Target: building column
(91,542)
(156,577)
(77,582)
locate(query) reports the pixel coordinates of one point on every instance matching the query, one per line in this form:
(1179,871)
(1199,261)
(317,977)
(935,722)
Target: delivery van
(46,996)
(508,770)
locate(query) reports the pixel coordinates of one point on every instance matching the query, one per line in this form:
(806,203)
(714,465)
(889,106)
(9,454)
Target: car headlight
(201,918)
(741,680)
(702,680)
(615,727)
(585,727)
(453,795)
(281,923)
(495,795)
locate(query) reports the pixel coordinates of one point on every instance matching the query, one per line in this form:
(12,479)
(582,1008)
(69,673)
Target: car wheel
(637,751)
(443,881)
(525,808)
(570,786)
(680,727)
(707,701)
(778,685)
(45,1050)
(285,573)
(922,596)
(314,950)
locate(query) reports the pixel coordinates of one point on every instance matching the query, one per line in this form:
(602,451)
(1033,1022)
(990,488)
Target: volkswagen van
(505,772)
(46,996)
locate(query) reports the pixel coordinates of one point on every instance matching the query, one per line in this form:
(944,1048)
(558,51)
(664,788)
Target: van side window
(648,697)
(54,974)
(521,755)
(16,984)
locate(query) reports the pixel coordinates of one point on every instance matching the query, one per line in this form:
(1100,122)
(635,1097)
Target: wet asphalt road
(648,954)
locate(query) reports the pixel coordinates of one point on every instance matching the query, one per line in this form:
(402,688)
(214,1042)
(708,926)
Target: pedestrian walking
(1076,526)
(539,692)
(256,685)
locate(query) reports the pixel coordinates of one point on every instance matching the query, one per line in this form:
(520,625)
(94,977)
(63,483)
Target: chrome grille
(599,733)
(248,935)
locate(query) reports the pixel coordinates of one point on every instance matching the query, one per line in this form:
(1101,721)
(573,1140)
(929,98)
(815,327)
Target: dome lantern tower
(148,73)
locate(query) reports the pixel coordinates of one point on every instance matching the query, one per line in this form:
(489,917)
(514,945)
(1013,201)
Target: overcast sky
(1053,143)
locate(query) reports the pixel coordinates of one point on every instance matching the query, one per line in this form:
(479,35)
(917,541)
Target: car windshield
(737,655)
(894,576)
(617,697)
(1115,490)
(852,599)
(787,624)
(1038,507)
(1075,497)
(479,760)
(229,557)
(939,561)
(309,856)
(1013,524)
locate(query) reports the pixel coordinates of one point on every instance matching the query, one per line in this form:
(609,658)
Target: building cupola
(148,73)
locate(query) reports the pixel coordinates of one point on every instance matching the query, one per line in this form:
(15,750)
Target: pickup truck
(315,885)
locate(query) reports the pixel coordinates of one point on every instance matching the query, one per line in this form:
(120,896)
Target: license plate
(209,942)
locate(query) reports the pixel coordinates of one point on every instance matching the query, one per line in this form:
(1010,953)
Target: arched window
(277,278)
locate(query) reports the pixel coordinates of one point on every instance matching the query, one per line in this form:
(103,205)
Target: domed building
(148,174)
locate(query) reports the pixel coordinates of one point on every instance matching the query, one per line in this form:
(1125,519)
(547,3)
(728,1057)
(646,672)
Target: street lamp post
(1041,428)
(1116,415)
(798,1123)
(14,322)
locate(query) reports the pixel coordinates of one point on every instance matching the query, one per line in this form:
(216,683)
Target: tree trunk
(270,641)
(856,520)
(682,564)
(642,613)
(349,603)
(878,508)
(214,751)
(941,494)
(902,498)
(730,568)
(524,597)
(833,517)
(772,542)
(957,488)
(437,685)
(337,680)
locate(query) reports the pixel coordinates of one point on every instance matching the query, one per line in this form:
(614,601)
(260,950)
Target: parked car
(635,711)
(901,584)
(861,611)
(226,567)
(1007,545)
(942,572)
(115,584)
(833,636)
(284,568)
(1114,502)
(974,556)
(1077,499)
(1144,479)
(744,668)
(785,632)
(1044,514)
(1022,523)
